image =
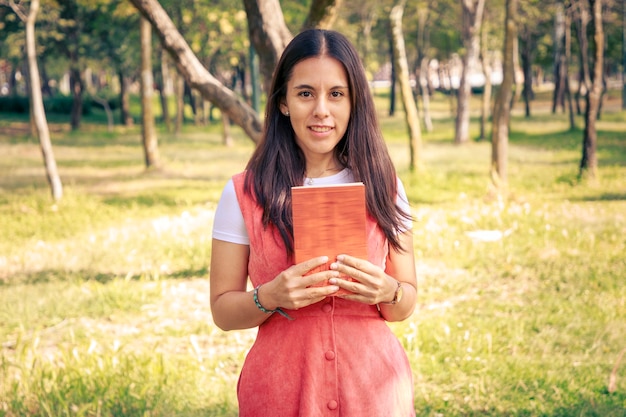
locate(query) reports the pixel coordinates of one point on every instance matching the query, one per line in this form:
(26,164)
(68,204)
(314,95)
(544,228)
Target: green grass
(104,295)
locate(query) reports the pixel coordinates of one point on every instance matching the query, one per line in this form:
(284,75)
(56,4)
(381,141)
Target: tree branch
(195,73)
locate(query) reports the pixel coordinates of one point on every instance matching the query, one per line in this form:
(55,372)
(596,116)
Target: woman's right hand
(292,289)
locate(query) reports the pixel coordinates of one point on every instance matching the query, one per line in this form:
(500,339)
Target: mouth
(321,129)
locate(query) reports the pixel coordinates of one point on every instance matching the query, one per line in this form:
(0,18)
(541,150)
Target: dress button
(330,355)
(332,405)
(326,308)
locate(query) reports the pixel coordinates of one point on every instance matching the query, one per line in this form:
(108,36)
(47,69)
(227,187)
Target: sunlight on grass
(105,295)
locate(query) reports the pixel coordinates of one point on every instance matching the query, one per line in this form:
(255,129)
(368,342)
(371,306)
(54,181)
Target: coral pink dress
(336,358)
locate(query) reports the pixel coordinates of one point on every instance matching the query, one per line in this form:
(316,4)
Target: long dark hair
(277,163)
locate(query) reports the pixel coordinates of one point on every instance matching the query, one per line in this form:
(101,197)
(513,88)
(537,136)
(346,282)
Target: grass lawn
(104,295)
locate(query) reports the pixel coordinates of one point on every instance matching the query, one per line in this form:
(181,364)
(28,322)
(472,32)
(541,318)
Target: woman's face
(318,105)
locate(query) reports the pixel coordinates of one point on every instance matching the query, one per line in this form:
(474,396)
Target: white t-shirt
(229,225)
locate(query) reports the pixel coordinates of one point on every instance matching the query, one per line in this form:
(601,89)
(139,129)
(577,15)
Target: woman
(316,354)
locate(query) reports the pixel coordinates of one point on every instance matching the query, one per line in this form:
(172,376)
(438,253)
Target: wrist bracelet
(255,297)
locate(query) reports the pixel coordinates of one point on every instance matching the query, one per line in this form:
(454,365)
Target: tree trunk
(517,91)
(623,56)
(485,60)
(566,58)
(584,83)
(37,110)
(196,74)
(589,161)
(322,14)
(527,59)
(227,138)
(423,43)
(472,13)
(425,90)
(125,117)
(268,33)
(558,96)
(148,132)
(402,69)
(394,77)
(107,109)
(179,93)
(502,107)
(364,36)
(254,79)
(76,85)
(163,91)
(32,123)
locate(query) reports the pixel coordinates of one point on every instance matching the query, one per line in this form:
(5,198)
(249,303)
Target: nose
(321,108)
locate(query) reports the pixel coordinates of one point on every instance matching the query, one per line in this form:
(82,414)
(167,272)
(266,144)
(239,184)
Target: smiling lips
(321,129)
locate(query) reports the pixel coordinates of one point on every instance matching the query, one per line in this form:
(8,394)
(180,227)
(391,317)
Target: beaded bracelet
(255,297)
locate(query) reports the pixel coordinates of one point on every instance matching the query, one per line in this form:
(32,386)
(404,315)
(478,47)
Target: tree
(148,132)
(195,73)
(268,34)
(560,64)
(37,112)
(535,20)
(623,56)
(115,34)
(472,11)
(73,16)
(323,14)
(423,60)
(402,74)
(562,57)
(502,106)
(595,84)
(485,60)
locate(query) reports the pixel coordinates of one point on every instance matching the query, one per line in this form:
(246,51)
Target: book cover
(329,220)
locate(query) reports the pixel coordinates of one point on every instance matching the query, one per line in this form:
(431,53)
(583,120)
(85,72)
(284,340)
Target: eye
(305,94)
(336,94)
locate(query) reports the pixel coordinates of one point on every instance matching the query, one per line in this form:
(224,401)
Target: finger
(356,263)
(346,283)
(346,270)
(306,266)
(319,277)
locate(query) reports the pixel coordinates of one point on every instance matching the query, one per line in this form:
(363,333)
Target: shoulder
(239,179)
(400,190)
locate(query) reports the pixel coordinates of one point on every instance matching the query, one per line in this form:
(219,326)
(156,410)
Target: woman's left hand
(371,286)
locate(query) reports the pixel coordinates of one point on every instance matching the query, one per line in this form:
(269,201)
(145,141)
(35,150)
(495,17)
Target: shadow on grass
(56,275)
(611,145)
(602,197)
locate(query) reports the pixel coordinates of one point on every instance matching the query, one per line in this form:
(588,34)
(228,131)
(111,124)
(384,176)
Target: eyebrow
(308,87)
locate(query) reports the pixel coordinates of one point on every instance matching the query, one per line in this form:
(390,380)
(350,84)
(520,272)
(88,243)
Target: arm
(401,266)
(233,307)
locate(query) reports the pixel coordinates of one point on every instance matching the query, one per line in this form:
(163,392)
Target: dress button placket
(331,363)
(332,405)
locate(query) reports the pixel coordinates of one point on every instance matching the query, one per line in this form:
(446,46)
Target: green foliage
(105,302)
(14,104)
(58,104)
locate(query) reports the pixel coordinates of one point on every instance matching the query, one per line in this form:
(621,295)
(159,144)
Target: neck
(323,172)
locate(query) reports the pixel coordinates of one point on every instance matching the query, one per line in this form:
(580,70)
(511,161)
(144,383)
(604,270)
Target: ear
(283,107)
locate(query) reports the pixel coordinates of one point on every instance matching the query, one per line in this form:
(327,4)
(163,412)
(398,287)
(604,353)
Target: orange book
(329,220)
